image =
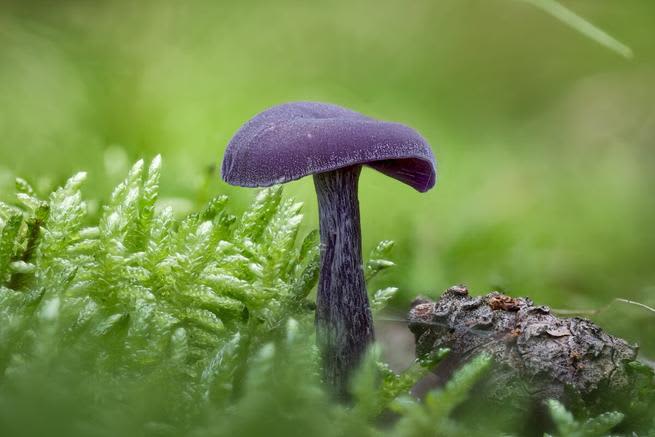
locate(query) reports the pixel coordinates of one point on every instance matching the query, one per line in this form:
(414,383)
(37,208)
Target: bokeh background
(545,138)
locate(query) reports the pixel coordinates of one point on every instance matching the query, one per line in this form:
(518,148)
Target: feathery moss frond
(567,425)
(136,322)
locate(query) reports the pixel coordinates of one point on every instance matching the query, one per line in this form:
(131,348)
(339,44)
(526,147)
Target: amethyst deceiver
(293,140)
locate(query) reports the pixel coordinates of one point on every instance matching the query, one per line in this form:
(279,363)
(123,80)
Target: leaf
(261,211)
(23,187)
(602,424)
(147,200)
(377,260)
(8,243)
(217,370)
(567,425)
(381,297)
(307,266)
(563,419)
(439,404)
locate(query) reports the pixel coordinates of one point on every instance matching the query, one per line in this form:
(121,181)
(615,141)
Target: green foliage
(568,426)
(378,262)
(381,297)
(143,294)
(7,242)
(432,418)
(120,80)
(136,322)
(639,400)
(376,386)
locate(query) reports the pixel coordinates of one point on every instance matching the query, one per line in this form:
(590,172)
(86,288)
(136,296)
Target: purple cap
(293,140)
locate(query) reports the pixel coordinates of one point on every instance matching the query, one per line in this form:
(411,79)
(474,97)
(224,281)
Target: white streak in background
(605,308)
(632,302)
(578,23)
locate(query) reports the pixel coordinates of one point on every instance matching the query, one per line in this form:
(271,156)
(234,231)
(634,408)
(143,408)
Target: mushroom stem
(344,325)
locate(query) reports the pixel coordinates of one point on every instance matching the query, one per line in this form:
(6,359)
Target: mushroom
(332,143)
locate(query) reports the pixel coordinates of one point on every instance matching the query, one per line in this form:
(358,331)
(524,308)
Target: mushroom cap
(293,140)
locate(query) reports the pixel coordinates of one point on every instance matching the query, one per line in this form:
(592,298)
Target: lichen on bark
(537,355)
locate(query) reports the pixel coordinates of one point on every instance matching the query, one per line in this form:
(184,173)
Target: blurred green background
(544,138)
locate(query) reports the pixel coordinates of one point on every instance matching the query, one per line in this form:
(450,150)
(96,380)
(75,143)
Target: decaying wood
(535,352)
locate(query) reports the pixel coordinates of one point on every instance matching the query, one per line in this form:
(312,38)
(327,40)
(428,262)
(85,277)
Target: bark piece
(536,353)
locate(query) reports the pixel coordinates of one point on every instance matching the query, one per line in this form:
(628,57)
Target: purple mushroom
(293,140)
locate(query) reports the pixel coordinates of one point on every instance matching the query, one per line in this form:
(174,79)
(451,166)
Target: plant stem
(344,324)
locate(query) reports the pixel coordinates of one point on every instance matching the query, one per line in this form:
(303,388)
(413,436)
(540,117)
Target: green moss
(135,322)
